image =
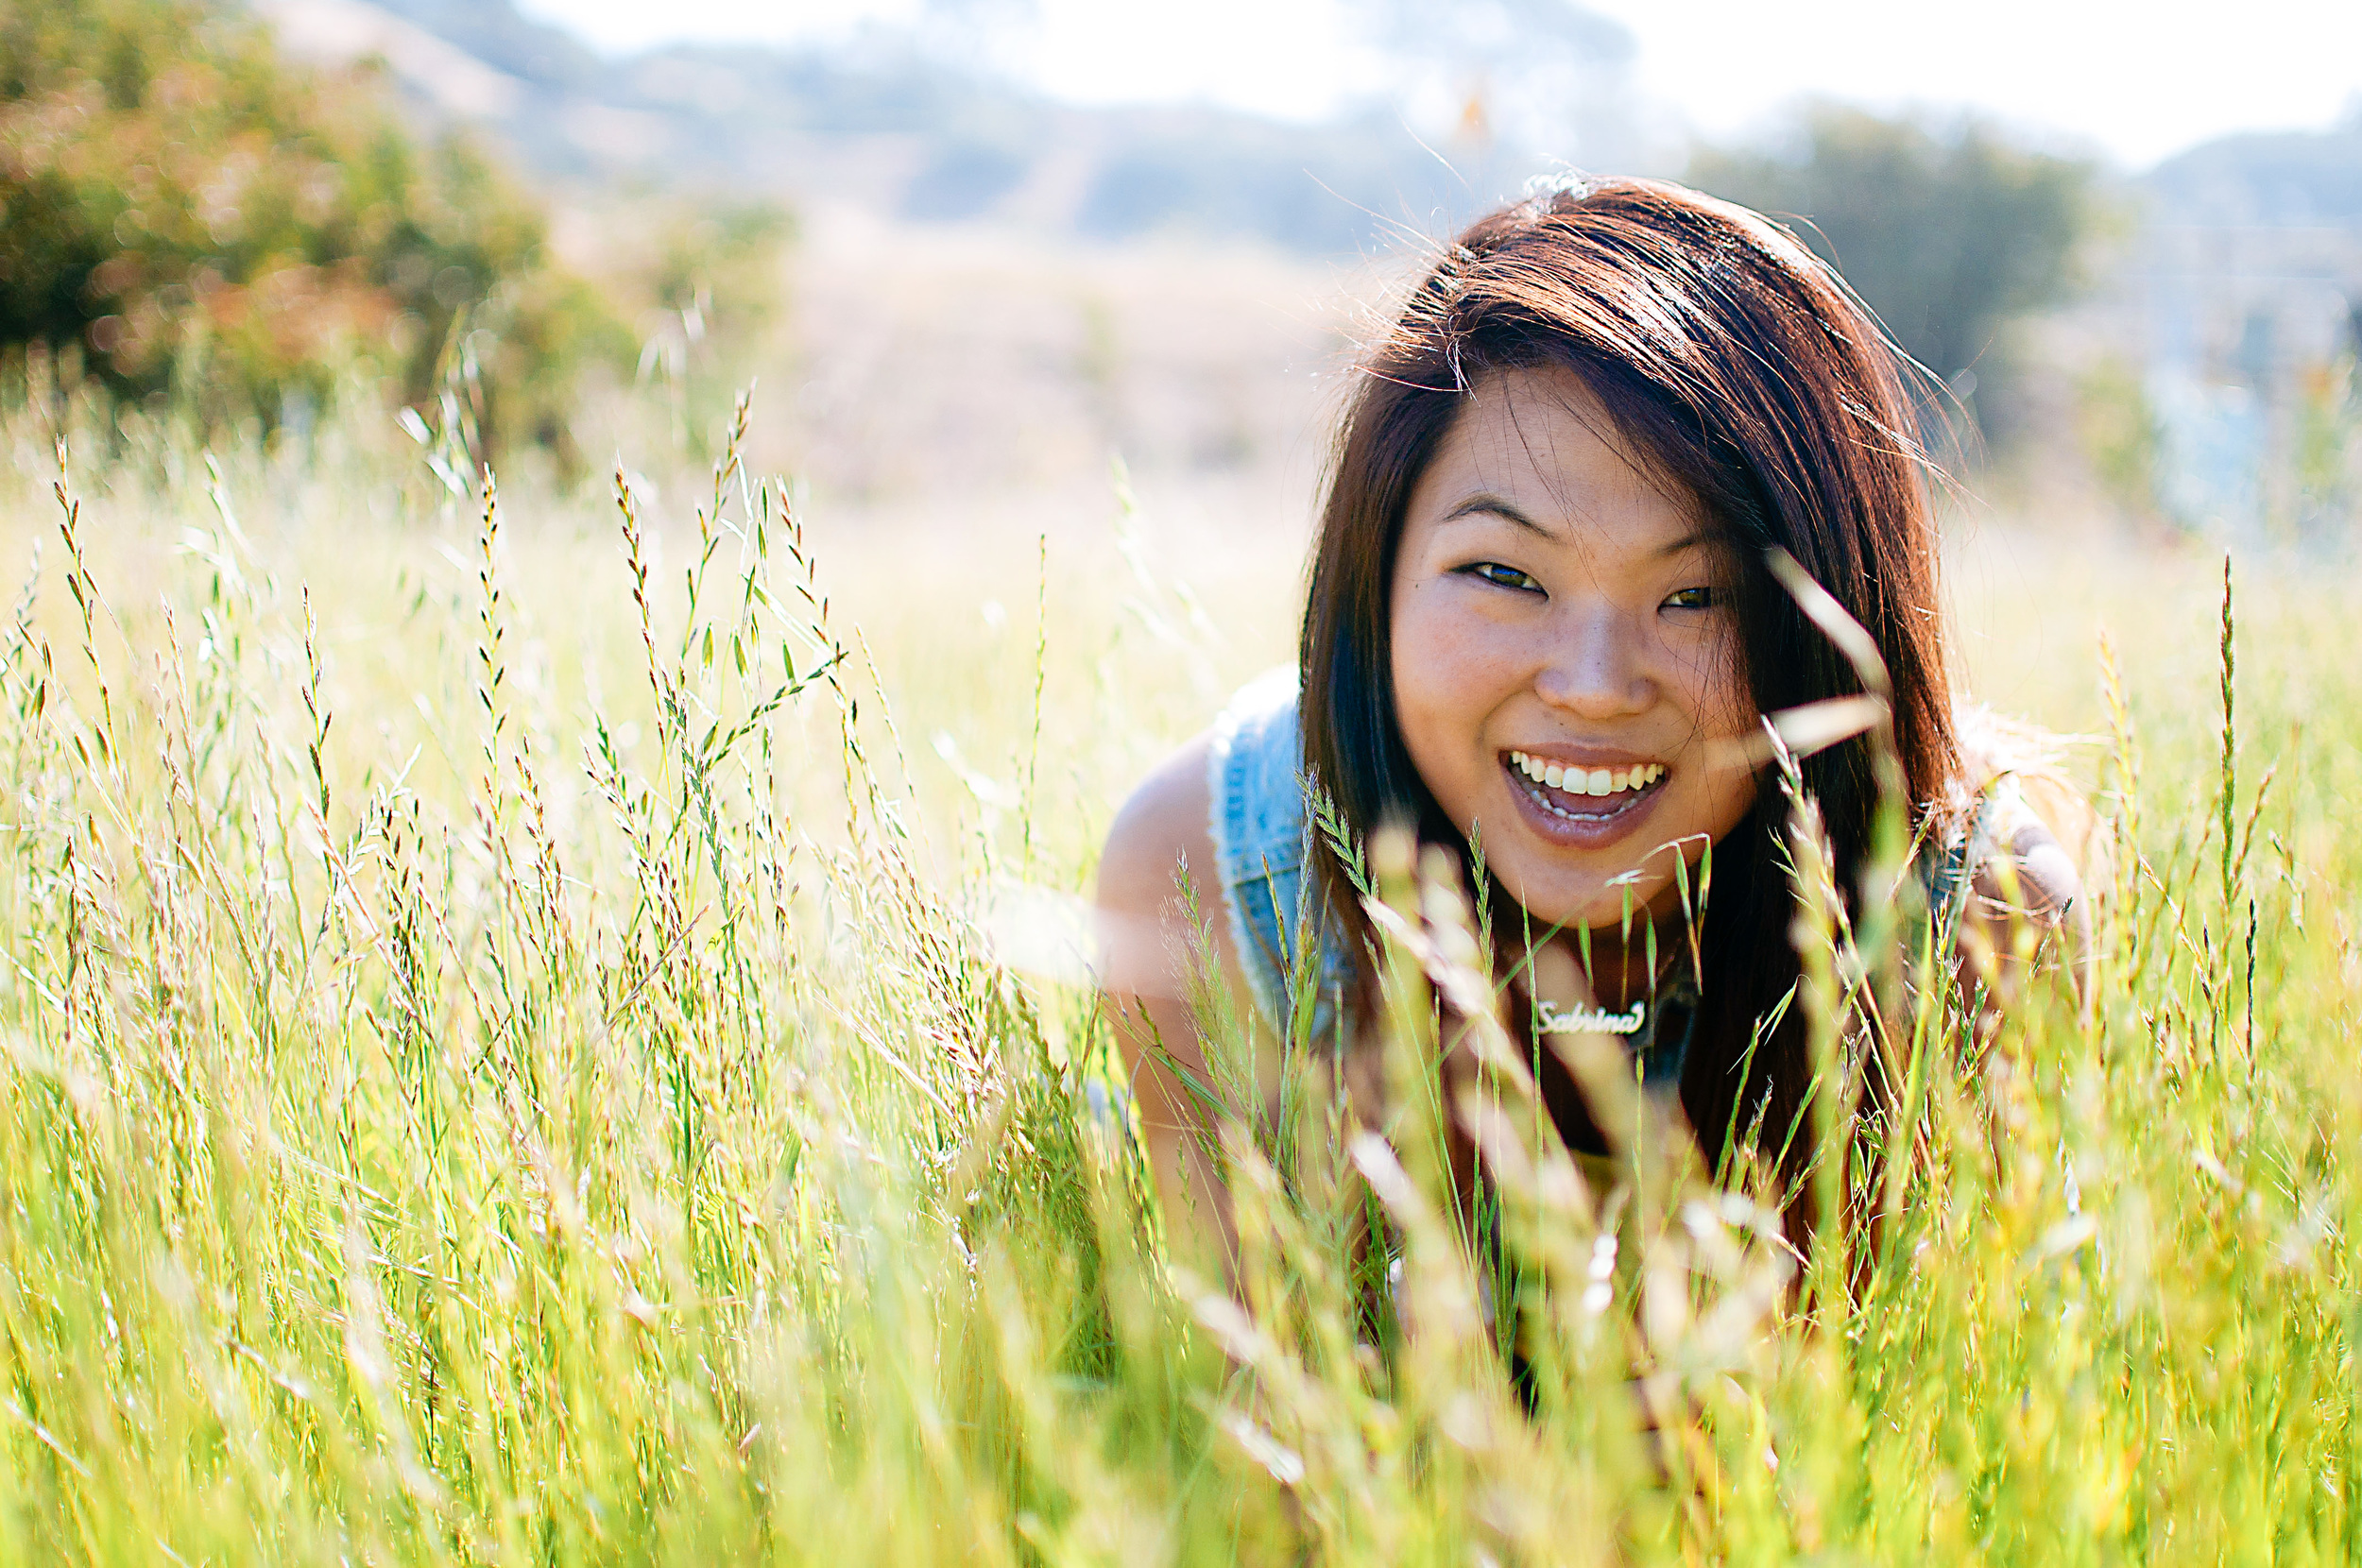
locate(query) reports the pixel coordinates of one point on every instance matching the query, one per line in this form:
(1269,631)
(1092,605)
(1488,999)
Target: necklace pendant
(1590,1020)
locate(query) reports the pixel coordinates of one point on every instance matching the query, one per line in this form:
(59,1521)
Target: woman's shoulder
(1168,824)
(1162,831)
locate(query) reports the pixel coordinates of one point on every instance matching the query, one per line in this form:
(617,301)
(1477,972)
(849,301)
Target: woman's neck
(1623,968)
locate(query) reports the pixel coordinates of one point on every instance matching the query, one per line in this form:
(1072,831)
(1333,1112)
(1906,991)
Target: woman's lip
(1580,828)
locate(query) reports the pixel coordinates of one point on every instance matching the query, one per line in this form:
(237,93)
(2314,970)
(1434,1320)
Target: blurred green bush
(204,225)
(1952,232)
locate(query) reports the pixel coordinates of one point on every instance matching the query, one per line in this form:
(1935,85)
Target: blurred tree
(199,219)
(1950,233)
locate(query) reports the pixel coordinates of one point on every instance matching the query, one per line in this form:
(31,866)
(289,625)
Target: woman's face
(1563,661)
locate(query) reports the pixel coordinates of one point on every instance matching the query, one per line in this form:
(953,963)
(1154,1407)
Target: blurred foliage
(2327,428)
(202,222)
(1949,232)
(707,283)
(2326,445)
(724,265)
(2122,438)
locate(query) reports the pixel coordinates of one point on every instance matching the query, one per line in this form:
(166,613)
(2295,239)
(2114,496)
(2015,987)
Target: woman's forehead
(1542,441)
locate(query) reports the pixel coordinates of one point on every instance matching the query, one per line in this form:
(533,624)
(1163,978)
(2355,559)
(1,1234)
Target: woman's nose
(1595,667)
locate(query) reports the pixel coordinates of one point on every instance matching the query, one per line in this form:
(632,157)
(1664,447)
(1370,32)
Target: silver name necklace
(1590,1020)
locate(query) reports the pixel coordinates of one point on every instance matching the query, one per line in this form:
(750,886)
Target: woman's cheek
(1728,697)
(1714,686)
(1422,706)
(1435,700)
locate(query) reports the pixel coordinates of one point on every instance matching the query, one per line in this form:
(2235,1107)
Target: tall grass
(501,1059)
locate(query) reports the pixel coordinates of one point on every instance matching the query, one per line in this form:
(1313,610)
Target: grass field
(500,1063)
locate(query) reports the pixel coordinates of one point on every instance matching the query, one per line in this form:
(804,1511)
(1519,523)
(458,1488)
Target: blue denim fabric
(1255,773)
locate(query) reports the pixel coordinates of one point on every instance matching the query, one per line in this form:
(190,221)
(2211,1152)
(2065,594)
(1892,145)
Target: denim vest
(1264,849)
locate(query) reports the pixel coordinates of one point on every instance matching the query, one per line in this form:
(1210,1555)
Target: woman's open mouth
(1585,800)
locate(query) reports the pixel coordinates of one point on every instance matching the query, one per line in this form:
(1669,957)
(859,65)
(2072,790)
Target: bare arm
(1162,833)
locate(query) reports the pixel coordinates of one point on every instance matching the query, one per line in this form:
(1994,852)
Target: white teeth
(1586,781)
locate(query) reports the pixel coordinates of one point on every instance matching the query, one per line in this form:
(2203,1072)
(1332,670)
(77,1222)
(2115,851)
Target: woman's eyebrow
(1493,505)
(1477,505)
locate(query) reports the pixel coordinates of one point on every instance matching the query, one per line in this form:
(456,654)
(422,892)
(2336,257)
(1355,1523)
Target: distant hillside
(2292,180)
(886,128)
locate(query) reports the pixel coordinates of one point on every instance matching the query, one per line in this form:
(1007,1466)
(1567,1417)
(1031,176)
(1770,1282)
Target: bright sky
(2134,79)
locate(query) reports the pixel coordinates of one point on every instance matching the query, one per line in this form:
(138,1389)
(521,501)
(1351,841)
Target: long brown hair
(1742,369)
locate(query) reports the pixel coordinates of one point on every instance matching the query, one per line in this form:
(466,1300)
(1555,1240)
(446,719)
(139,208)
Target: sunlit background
(985,247)
(990,249)
(2134,83)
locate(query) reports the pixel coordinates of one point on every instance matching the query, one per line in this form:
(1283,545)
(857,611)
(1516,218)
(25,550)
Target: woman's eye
(1691,599)
(1503,576)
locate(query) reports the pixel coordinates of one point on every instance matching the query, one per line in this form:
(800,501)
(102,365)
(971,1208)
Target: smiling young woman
(1555,613)
(1540,614)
